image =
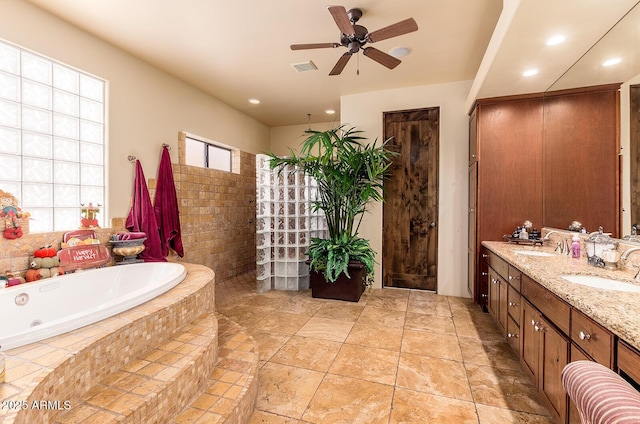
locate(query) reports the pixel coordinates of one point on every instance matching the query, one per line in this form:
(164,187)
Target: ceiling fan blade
(399,28)
(314,46)
(381,57)
(339,66)
(339,14)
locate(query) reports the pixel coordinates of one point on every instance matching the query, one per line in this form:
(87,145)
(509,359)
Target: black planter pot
(344,288)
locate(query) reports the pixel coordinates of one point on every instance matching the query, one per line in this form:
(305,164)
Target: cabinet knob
(484,274)
(513,304)
(484,255)
(511,335)
(494,281)
(511,277)
(584,336)
(484,295)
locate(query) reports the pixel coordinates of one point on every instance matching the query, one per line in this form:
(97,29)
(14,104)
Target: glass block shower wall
(285,226)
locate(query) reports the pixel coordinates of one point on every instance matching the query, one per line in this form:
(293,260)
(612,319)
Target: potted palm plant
(349,175)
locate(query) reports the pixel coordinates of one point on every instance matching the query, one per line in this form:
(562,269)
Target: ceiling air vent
(305,66)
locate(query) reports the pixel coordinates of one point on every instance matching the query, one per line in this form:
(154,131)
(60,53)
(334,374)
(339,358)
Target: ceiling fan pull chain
(358,64)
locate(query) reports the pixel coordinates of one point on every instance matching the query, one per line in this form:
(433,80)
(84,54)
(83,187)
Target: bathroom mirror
(620,42)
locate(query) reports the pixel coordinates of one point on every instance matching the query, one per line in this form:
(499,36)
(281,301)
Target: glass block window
(52,125)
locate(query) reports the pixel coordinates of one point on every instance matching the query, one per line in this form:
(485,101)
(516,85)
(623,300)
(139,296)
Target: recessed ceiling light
(611,62)
(254,101)
(556,40)
(399,51)
(529,72)
(329,111)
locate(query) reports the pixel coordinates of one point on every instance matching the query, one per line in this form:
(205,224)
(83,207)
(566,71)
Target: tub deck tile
(155,385)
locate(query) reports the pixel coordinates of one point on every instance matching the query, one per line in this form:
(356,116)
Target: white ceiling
(236,50)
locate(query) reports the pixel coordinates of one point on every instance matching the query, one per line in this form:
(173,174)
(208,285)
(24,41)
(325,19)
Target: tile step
(232,389)
(153,387)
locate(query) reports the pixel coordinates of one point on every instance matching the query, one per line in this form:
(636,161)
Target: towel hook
(166,145)
(131,158)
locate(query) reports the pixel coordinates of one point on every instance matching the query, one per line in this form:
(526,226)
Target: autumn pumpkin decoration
(45,252)
(44,264)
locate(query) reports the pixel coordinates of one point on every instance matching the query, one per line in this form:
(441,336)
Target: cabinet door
(529,339)
(576,355)
(513,335)
(493,306)
(473,241)
(554,355)
(513,304)
(502,303)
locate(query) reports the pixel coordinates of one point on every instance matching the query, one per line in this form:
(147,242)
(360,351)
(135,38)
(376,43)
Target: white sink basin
(602,283)
(532,253)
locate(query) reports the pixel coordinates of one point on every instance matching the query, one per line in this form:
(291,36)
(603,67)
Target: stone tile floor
(397,356)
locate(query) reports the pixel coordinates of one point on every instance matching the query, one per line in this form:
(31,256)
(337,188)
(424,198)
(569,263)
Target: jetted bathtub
(36,311)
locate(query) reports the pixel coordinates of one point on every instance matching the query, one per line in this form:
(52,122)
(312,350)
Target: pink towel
(142,218)
(166,207)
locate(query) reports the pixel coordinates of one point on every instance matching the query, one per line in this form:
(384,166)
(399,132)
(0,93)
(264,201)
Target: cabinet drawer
(513,335)
(514,277)
(546,302)
(514,304)
(629,361)
(499,265)
(594,339)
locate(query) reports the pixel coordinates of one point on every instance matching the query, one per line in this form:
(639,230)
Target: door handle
(432,225)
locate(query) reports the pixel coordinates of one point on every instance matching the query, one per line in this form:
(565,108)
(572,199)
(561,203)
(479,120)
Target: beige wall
(292,136)
(365,112)
(147,107)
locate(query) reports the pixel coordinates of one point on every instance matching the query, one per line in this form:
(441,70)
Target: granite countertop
(617,311)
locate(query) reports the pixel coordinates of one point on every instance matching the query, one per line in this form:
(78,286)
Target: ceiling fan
(354,37)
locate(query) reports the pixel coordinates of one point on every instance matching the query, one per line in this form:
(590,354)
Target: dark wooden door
(410,210)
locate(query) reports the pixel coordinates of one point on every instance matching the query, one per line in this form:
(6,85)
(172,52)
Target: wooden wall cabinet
(506,136)
(550,159)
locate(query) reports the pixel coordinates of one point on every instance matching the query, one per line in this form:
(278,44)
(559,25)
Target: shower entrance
(410,209)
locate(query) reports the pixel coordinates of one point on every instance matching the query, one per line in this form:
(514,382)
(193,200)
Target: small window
(207,154)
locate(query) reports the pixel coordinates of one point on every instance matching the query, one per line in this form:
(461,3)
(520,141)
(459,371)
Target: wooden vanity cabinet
(629,363)
(548,333)
(544,345)
(544,351)
(595,341)
(497,306)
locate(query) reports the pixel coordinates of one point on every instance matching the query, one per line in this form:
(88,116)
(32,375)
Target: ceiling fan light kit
(354,37)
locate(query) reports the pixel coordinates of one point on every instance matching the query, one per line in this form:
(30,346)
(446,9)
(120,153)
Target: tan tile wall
(15,254)
(217,216)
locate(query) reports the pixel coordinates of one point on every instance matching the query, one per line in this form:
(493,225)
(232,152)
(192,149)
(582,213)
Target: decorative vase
(344,288)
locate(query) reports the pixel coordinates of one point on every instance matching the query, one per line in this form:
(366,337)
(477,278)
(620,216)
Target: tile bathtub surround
(16,254)
(64,367)
(396,356)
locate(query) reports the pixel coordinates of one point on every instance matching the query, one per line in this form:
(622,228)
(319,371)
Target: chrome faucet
(561,247)
(625,257)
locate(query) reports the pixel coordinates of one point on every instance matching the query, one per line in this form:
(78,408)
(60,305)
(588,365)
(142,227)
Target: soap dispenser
(575,247)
